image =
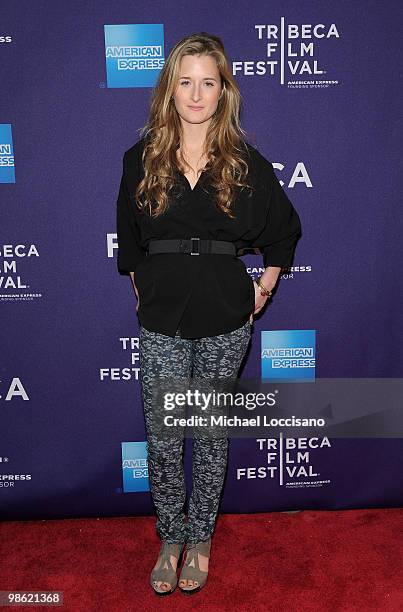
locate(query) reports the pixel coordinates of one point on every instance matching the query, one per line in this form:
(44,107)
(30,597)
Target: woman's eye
(209,83)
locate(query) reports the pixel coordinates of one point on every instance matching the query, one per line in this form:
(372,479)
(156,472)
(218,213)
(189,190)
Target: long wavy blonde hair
(224,147)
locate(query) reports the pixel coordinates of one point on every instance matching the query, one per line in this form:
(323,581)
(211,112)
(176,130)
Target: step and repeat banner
(321,101)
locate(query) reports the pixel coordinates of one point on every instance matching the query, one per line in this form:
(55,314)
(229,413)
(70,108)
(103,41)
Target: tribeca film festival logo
(289,461)
(134,54)
(291,53)
(7,169)
(130,346)
(13,286)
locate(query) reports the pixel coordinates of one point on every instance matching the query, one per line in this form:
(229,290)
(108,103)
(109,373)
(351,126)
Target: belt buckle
(198,246)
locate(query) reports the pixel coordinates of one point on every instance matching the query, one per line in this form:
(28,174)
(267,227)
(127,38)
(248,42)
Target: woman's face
(198,89)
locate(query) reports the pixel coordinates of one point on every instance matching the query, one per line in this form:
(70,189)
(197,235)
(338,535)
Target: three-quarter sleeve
(130,252)
(282,227)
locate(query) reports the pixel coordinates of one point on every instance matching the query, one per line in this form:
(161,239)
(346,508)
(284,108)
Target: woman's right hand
(260,301)
(135,290)
(137,296)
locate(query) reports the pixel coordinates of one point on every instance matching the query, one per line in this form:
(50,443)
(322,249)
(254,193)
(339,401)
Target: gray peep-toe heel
(191,569)
(165,572)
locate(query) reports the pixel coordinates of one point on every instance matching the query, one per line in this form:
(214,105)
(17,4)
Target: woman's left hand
(260,301)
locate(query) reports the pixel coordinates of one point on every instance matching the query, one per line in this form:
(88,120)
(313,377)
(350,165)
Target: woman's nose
(196,94)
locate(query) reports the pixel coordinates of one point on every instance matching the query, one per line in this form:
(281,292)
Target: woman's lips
(196,108)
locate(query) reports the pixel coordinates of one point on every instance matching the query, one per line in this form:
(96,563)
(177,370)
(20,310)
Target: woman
(193,193)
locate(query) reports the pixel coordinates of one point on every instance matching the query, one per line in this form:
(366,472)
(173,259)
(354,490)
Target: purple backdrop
(62,422)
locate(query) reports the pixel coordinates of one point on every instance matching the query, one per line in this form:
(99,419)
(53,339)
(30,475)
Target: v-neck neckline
(188,182)
(192,189)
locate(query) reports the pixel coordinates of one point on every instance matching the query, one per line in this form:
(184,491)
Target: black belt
(192,246)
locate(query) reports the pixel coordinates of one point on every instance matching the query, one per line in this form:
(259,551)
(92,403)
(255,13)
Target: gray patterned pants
(166,357)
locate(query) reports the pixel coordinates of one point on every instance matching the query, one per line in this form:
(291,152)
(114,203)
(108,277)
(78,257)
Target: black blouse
(206,294)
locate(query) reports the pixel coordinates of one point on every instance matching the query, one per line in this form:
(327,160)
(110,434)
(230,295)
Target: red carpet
(311,560)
